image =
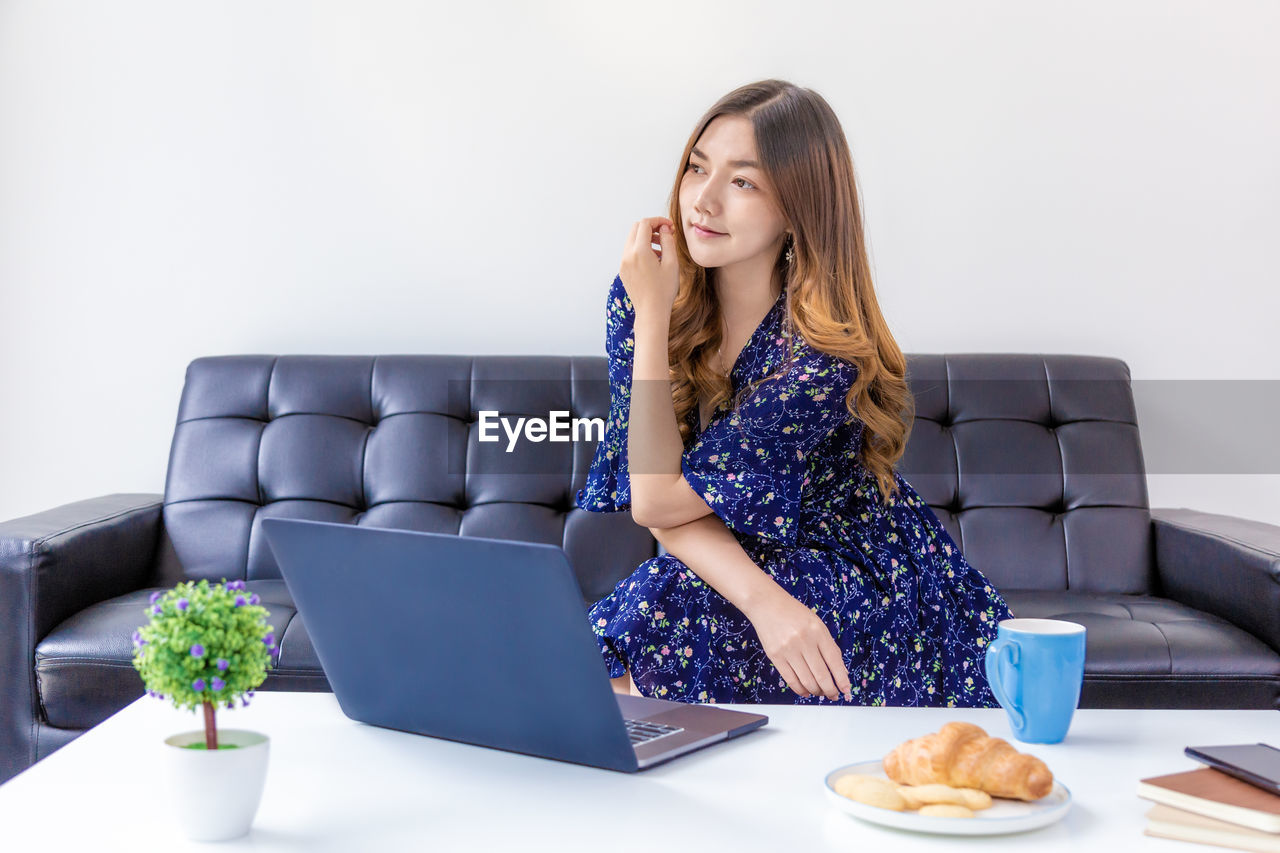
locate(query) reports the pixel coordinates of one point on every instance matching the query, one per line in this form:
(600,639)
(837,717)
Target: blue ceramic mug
(1035,668)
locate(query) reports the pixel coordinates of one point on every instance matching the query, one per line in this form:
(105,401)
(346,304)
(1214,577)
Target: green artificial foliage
(204,646)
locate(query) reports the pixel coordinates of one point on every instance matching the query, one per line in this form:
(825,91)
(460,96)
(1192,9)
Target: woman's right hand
(800,646)
(651,281)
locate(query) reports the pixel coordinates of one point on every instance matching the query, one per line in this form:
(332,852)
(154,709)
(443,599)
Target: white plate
(1004,816)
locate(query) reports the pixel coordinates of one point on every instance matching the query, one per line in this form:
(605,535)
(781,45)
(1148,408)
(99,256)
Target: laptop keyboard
(643,731)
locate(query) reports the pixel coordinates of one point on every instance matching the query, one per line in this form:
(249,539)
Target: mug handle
(995,671)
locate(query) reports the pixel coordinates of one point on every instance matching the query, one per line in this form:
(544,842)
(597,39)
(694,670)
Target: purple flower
(156,610)
(218,684)
(197,651)
(137,639)
(253,599)
(236,585)
(270,640)
(223,663)
(240,602)
(183,604)
(197,685)
(155,596)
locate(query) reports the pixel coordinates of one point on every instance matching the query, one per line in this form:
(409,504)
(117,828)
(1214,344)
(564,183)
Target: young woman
(758,403)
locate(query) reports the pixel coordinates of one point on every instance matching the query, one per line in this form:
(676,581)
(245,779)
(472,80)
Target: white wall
(185,179)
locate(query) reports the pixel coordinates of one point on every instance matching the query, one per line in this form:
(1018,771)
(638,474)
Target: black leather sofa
(1032,462)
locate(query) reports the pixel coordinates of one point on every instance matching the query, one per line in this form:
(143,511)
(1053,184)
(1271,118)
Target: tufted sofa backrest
(1031,462)
(386,441)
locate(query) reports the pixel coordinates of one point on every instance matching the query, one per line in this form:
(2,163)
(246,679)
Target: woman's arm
(707,547)
(660,496)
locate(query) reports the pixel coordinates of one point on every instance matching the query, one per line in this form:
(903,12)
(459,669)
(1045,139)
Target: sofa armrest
(1223,565)
(54,564)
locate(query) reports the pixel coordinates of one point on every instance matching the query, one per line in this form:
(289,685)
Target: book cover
(1167,822)
(1235,842)
(1209,792)
(1168,814)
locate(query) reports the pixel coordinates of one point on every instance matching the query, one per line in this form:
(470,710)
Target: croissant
(964,756)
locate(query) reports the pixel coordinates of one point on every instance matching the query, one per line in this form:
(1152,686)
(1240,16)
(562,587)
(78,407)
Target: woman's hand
(651,278)
(800,646)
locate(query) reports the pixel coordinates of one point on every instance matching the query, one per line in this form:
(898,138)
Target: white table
(334,784)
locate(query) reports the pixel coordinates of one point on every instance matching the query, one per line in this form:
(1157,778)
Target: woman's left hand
(651,279)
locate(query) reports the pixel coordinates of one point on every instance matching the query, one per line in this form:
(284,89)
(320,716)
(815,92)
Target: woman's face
(723,192)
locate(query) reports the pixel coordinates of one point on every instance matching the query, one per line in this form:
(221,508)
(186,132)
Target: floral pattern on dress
(750,466)
(911,616)
(608,486)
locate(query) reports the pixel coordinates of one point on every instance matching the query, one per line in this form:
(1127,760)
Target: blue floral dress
(910,615)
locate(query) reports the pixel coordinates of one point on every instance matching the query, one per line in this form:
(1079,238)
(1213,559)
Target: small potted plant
(206,646)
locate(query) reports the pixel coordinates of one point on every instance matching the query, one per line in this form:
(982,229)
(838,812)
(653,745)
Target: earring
(791,255)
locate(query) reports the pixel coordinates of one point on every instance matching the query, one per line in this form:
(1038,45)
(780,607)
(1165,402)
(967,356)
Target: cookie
(871,790)
(945,810)
(920,795)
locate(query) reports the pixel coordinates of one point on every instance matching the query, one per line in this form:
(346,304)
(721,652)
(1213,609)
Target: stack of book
(1209,807)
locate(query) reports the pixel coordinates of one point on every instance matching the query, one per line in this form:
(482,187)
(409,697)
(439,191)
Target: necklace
(720,368)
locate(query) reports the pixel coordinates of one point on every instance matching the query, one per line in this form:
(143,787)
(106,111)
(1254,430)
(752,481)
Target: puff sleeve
(608,487)
(749,466)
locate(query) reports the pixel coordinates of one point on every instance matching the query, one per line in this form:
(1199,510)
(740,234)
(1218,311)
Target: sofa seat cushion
(1141,651)
(84,667)
(1145,651)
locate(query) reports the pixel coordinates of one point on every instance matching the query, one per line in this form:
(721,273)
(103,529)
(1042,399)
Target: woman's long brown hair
(831,300)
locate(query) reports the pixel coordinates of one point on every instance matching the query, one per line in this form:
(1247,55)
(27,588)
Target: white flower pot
(215,794)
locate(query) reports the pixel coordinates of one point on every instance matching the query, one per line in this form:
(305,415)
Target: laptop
(483,641)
